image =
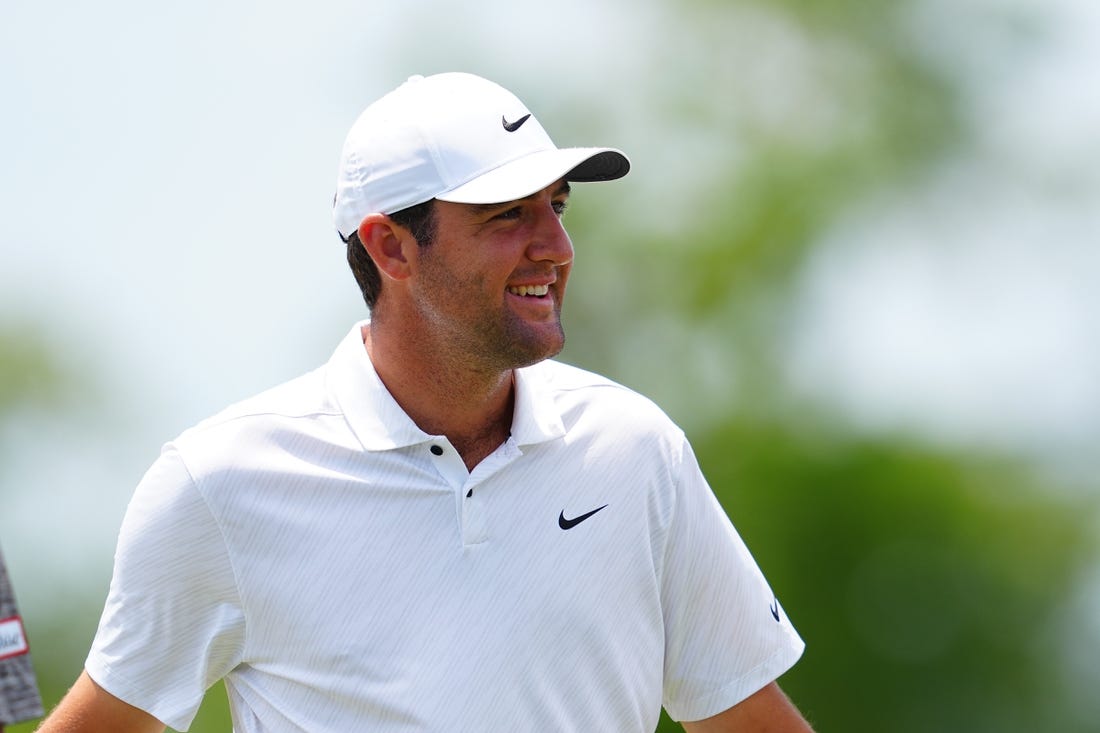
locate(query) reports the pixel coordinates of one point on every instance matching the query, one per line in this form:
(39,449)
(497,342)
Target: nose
(550,242)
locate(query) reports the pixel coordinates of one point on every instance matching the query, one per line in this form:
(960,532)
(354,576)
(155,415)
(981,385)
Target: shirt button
(436,450)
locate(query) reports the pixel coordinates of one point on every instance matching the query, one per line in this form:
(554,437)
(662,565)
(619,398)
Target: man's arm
(766,711)
(88,708)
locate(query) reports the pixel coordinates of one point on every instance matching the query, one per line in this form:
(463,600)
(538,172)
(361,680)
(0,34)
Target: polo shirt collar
(536,417)
(380,423)
(371,411)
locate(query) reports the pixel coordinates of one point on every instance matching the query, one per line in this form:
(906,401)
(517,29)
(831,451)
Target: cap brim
(532,173)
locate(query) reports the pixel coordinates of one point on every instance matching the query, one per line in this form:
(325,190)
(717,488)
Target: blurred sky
(981,319)
(168,170)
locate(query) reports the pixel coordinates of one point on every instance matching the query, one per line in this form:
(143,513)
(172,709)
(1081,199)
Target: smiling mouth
(529,291)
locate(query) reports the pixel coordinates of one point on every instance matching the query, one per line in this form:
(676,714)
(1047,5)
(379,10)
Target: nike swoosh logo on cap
(571,523)
(513,126)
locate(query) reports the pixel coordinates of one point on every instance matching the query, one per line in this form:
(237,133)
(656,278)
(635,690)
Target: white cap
(454,137)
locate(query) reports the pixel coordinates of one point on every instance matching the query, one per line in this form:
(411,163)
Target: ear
(388,244)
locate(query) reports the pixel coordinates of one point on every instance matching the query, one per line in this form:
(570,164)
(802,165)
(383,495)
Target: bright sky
(967,304)
(167,176)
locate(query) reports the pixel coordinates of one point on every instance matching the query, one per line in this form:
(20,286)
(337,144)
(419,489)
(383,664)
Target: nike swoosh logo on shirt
(571,523)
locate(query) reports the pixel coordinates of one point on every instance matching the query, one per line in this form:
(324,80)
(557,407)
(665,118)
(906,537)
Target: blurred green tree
(930,584)
(29,371)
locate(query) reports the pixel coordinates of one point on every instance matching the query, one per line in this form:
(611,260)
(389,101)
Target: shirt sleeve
(173,624)
(726,635)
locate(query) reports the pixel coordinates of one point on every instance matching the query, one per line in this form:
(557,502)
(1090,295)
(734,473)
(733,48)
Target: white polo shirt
(342,571)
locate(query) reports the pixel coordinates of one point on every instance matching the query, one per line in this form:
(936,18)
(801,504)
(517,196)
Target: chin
(534,351)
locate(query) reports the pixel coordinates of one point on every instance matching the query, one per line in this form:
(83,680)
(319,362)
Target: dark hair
(418,219)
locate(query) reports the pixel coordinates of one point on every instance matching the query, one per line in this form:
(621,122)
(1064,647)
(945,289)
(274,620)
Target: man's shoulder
(560,378)
(244,451)
(297,402)
(577,390)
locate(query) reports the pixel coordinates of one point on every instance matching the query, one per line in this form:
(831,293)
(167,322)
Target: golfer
(441,528)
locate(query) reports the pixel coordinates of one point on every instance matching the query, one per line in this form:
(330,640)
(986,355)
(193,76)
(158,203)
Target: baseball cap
(454,137)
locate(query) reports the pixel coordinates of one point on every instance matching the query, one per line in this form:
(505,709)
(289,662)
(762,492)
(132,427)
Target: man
(440,529)
(19,699)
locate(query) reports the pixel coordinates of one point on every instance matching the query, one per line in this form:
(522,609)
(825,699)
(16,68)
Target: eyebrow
(563,190)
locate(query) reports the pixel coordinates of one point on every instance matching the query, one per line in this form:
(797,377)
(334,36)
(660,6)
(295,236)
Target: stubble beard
(492,339)
(511,343)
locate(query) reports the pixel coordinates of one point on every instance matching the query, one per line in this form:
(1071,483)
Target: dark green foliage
(928,585)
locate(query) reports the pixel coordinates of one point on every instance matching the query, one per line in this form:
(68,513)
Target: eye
(560,207)
(512,213)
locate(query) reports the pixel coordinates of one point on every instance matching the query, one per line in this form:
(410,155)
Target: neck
(444,396)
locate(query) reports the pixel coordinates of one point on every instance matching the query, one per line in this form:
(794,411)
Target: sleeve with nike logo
(726,635)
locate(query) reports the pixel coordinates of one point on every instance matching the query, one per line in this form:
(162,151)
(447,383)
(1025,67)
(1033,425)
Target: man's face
(491,284)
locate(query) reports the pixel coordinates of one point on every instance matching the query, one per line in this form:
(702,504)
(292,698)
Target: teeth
(534,290)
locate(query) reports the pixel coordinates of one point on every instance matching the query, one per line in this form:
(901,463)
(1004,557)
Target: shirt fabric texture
(341,569)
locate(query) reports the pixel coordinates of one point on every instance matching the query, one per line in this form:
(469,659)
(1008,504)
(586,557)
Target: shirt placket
(472,504)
